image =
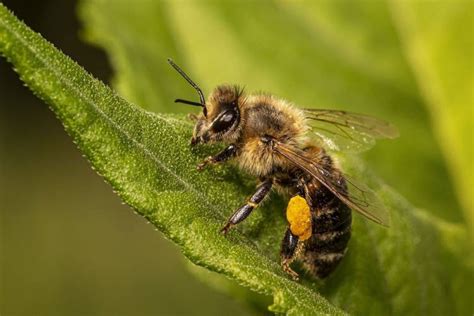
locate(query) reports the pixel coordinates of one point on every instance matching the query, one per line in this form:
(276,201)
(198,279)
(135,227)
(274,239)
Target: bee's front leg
(224,155)
(244,211)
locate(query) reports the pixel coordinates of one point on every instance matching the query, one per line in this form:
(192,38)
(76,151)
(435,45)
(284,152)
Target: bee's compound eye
(224,121)
(227,117)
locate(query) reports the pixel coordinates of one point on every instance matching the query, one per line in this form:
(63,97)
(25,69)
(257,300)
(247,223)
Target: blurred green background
(68,245)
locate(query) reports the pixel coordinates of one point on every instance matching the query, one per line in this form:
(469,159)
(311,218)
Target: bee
(286,148)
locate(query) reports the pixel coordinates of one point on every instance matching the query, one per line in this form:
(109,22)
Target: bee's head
(220,118)
(221,122)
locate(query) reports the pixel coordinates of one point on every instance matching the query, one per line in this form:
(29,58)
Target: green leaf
(438,42)
(414,267)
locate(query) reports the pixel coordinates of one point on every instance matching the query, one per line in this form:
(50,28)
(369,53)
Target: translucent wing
(346,131)
(352,193)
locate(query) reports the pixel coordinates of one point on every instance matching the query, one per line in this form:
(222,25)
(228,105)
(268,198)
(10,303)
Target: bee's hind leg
(289,251)
(244,211)
(222,156)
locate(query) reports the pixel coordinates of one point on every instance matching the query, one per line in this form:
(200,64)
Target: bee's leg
(247,208)
(222,156)
(289,246)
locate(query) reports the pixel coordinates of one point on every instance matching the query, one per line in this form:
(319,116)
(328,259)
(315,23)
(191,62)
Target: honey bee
(286,148)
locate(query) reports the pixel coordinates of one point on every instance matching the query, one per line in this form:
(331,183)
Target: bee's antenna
(188,102)
(195,86)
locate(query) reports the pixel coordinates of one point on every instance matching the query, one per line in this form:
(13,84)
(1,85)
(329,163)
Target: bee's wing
(352,193)
(346,131)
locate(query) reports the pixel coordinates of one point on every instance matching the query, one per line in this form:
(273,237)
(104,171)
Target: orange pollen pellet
(298,215)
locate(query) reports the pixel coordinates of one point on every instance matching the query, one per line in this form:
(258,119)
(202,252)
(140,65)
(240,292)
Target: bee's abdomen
(331,233)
